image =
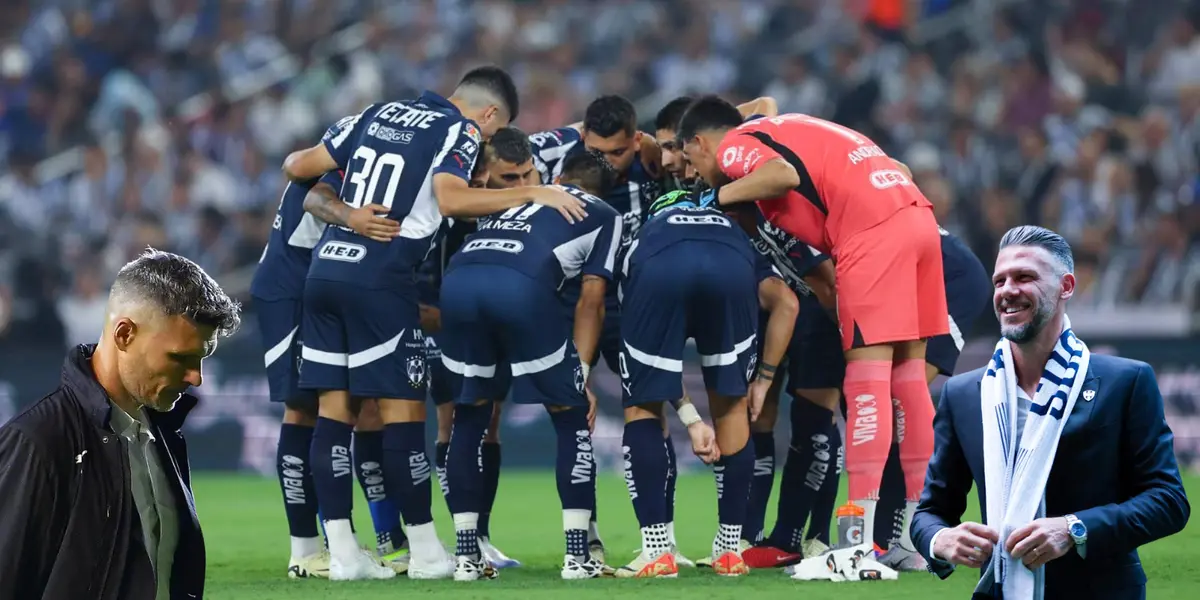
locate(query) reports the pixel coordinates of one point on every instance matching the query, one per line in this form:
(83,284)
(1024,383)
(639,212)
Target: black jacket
(69,529)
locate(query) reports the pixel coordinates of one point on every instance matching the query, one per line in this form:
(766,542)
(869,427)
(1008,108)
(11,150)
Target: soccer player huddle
(426,248)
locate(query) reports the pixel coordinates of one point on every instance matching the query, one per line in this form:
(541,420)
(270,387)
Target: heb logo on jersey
(388,134)
(887,178)
(342,251)
(510,246)
(698,220)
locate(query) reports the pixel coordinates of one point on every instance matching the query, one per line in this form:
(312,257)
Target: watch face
(1078,530)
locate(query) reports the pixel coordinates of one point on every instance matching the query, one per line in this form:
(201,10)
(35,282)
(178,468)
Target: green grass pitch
(246,537)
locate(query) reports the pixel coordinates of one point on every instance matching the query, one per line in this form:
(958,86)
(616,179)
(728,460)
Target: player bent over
(837,191)
(502,326)
(691,273)
(505,162)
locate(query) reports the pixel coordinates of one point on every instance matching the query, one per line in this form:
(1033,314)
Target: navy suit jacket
(1115,470)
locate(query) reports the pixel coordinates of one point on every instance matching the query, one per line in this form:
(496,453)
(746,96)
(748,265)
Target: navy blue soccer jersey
(451,237)
(630,197)
(792,258)
(550,148)
(285,260)
(678,224)
(541,244)
(390,153)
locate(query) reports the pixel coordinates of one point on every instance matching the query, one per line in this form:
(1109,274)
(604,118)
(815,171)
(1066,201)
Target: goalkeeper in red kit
(836,190)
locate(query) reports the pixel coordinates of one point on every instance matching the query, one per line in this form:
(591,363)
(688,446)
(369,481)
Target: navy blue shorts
(279,328)
(815,358)
(366,341)
(701,290)
(500,326)
(968,294)
(443,385)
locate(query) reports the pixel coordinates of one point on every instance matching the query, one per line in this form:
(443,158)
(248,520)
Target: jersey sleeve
(460,151)
(333,179)
(743,150)
(763,269)
(602,257)
(339,138)
(805,258)
(550,148)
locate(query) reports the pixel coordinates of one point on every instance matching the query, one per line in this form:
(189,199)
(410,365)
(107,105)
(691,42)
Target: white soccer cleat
(470,569)
(902,559)
(358,566)
(312,566)
(494,556)
(439,566)
(591,569)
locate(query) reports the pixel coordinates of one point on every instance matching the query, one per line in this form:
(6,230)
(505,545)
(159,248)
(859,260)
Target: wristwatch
(1078,532)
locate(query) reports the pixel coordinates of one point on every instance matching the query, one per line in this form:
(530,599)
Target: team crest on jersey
(415,366)
(472,132)
(753,362)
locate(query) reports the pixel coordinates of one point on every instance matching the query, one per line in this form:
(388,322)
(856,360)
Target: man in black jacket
(95,492)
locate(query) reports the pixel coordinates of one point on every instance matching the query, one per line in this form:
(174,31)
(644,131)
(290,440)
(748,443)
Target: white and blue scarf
(1015,471)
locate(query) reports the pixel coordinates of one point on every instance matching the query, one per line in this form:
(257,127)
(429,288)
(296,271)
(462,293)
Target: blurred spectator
(132,122)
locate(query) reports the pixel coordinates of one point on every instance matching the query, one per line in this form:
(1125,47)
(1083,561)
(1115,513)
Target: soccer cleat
(398,560)
(590,569)
(438,566)
(707,561)
(643,567)
(769,557)
(494,556)
(730,564)
(596,550)
(680,559)
(312,566)
(358,566)
(813,547)
(902,559)
(473,569)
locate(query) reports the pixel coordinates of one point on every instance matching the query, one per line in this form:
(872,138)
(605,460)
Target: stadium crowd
(126,123)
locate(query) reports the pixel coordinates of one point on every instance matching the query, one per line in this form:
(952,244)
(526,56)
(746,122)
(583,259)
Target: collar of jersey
(435,99)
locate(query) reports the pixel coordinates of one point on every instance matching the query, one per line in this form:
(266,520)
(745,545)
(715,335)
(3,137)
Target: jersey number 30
(365,178)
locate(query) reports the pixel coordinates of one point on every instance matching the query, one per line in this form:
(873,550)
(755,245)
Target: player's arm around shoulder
(758,170)
(331,153)
(1158,506)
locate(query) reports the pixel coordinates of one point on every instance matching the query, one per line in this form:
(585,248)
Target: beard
(1043,310)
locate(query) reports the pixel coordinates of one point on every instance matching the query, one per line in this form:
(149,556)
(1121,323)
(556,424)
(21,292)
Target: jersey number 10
(365,178)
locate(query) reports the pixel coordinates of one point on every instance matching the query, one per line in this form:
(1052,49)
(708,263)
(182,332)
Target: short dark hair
(177,287)
(509,144)
(498,83)
(706,114)
(668,117)
(607,116)
(1040,237)
(590,171)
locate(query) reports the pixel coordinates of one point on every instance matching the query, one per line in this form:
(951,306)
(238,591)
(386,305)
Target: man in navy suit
(1114,484)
